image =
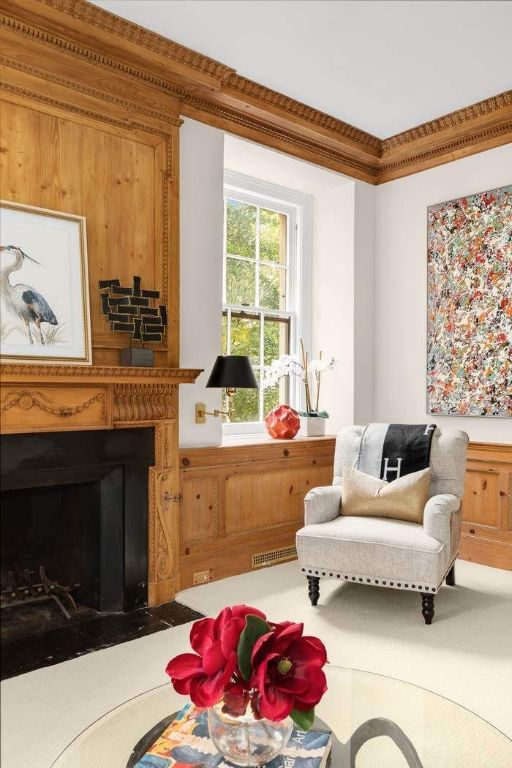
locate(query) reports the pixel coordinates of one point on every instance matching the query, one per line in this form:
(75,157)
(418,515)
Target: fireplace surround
(77,504)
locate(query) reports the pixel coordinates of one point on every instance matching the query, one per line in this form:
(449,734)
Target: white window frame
(298,207)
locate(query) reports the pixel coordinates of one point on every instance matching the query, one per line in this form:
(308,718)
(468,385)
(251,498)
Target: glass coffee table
(377,722)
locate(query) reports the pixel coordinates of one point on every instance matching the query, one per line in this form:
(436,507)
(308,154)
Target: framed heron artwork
(44,294)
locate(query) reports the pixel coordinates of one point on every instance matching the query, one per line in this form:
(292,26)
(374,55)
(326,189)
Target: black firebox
(75,504)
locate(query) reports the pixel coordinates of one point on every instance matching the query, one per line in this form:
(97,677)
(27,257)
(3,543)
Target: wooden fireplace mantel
(40,398)
(44,398)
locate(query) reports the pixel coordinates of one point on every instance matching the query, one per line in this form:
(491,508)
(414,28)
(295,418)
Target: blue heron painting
(22,300)
(44,288)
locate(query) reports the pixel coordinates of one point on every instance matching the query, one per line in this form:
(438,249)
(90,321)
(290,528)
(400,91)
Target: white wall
(201,236)
(400,287)
(364,297)
(333,300)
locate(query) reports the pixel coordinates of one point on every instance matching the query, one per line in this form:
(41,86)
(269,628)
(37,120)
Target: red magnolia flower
(205,674)
(287,671)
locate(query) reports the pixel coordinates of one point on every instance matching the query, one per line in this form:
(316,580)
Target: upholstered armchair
(382,551)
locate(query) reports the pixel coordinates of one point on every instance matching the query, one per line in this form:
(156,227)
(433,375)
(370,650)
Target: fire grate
(28,592)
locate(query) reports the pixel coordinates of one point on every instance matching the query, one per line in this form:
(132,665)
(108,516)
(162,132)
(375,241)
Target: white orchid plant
(307,370)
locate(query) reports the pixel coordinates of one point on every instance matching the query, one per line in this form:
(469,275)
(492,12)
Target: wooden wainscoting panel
(481,497)
(487,506)
(199,509)
(258,500)
(242,500)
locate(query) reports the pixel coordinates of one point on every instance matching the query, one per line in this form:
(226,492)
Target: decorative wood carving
(143,403)
(39,407)
(12,372)
(161,70)
(27,400)
(453,119)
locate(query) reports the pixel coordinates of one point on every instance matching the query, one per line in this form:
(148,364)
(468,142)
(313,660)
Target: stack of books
(186,742)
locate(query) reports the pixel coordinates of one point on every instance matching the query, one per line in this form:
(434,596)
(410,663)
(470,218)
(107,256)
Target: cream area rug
(466,655)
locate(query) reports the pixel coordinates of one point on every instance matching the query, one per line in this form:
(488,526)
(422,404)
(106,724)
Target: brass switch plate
(200,413)
(201,577)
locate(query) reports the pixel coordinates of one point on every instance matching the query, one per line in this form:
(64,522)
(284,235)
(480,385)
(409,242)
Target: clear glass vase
(244,740)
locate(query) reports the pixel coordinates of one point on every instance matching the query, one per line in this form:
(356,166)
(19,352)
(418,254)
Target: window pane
(276,333)
(244,405)
(272,287)
(271,398)
(272,236)
(240,282)
(245,338)
(224,334)
(240,229)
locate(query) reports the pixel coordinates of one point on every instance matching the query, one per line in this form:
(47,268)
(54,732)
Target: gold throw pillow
(403,499)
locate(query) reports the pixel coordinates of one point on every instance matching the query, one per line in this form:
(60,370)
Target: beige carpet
(465,655)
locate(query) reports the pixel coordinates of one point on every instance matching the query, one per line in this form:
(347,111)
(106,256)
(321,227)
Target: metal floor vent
(274,556)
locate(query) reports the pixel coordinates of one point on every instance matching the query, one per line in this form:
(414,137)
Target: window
(264,310)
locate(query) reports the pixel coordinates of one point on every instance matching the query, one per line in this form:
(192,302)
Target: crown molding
(164,80)
(451,120)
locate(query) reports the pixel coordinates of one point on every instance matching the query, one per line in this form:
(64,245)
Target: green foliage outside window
(256,279)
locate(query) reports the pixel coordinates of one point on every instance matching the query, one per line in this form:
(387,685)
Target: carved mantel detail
(25,399)
(133,403)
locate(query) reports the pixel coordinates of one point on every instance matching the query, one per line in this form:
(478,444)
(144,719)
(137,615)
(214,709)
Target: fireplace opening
(73,527)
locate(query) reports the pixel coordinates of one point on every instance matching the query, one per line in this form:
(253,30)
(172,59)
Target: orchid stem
(318,377)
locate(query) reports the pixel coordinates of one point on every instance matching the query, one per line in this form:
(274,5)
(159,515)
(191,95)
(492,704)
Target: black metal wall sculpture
(129,310)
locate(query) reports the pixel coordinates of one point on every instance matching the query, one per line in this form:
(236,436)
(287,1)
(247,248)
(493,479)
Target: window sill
(234,440)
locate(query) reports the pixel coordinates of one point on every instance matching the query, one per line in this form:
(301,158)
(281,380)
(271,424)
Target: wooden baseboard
(497,554)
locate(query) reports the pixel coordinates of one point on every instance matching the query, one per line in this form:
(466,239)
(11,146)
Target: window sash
(262,316)
(298,208)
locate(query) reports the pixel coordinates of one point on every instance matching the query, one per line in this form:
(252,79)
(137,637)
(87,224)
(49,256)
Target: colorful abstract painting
(469,344)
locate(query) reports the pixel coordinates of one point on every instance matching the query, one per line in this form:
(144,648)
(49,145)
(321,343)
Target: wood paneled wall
(68,152)
(245,500)
(248,499)
(84,137)
(487,506)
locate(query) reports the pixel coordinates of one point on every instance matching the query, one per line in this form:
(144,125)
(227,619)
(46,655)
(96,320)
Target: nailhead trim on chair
(379,582)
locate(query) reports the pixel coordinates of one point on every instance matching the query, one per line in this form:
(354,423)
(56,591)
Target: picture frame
(469,305)
(44,287)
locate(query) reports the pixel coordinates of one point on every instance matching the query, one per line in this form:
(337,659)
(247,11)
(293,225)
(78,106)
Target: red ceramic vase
(282,422)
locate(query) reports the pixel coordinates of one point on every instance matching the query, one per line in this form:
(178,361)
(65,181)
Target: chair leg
(427,607)
(450,577)
(313,589)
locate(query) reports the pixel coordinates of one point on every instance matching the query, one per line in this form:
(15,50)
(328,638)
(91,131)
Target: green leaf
(303,720)
(253,630)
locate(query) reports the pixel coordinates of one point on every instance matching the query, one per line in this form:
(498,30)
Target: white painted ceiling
(381,65)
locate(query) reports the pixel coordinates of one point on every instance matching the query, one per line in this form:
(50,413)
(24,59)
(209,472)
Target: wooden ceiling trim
(165,79)
(272,135)
(451,120)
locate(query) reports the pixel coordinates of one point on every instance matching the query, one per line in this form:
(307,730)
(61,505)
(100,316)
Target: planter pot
(244,740)
(313,426)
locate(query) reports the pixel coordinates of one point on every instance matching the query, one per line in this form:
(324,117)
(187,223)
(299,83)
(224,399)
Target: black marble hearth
(75,505)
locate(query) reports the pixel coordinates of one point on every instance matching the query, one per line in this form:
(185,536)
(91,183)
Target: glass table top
(378,722)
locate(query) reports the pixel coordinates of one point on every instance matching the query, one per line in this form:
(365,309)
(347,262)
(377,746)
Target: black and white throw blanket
(389,451)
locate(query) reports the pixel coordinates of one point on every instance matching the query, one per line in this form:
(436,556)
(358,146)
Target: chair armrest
(322,504)
(437,517)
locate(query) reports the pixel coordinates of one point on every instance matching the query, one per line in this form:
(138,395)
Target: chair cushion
(373,548)
(401,499)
